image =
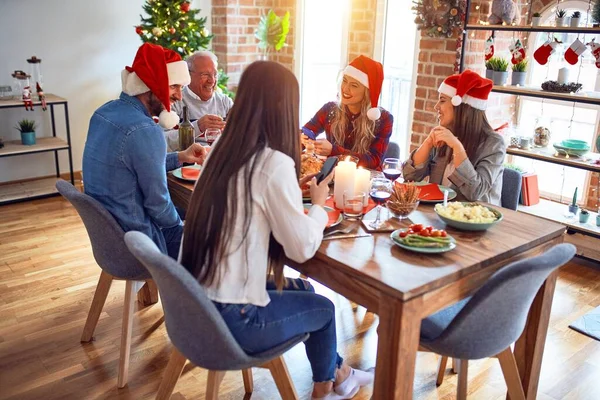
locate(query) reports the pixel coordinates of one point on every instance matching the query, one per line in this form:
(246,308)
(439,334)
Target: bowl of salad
(468,216)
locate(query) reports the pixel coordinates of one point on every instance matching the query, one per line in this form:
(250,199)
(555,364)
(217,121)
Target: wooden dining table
(403,287)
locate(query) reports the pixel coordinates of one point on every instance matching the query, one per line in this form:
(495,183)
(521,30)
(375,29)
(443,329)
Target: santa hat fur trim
(370,74)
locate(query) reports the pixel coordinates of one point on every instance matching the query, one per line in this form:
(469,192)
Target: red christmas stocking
(542,54)
(517,51)
(489,48)
(595,47)
(574,51)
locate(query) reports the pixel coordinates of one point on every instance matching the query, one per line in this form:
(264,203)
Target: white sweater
(276,207)
(219,104)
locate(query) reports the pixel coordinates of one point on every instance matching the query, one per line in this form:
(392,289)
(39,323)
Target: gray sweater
(480,180)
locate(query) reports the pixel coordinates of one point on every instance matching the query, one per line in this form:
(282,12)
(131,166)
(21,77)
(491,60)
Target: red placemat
(429,191)
(332,216)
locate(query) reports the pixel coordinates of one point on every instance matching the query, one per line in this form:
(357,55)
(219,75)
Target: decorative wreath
(440,18)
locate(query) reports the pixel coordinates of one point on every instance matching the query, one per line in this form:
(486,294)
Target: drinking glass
(211,134)
(392,168)
(353,205)
(380,192)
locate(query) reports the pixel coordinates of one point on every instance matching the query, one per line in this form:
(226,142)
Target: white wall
(83,45)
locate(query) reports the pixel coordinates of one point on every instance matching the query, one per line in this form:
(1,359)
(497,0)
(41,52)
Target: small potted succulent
(519,73)
(573,207)
(584,215)
(500,67)
(598,218)
(561,16)
(535,20)
(489,70)
(27,129)
(575,17)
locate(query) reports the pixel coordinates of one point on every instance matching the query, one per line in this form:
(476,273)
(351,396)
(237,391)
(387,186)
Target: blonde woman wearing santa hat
(355,125)
(125,157)
(463,151)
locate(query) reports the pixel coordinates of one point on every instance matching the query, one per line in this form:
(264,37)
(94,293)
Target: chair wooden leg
(248,381)
(463,376)
(441,370)
(454,366)
(171,376)
(212,384)
(282,378)
(126,328)
(148,294)
(511,374)
(97,304)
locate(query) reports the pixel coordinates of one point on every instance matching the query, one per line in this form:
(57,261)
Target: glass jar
(541,136)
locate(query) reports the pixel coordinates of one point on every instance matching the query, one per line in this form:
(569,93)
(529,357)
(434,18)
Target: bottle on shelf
(186,131)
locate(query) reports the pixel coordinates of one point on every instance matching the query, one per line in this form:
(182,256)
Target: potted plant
(573,207)
(500,67)
(535,20)
(575,17)
(27,129)
(272,32)
(584,215)
(519,73)
(596,14)
(561,15)
(489,70)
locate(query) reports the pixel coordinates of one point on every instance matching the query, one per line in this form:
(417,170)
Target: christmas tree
(174,25)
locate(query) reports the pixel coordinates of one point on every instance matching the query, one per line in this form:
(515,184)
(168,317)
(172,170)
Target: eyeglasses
(206,75)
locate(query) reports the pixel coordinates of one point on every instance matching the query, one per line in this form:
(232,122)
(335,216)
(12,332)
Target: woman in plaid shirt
(355,125)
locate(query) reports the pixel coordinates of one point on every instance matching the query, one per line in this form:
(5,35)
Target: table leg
(399,328)
(529,348)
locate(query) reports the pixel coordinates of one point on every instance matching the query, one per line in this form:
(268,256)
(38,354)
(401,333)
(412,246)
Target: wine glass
(211,135)
(392,169)
(380,191)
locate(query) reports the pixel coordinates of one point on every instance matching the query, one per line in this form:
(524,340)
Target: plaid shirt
(373,158)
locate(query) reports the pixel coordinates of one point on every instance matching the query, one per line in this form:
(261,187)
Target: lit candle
(344,181)
(362,183)
(563,76)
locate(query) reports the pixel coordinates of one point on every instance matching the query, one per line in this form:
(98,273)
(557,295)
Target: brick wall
(234,23)
(361,36)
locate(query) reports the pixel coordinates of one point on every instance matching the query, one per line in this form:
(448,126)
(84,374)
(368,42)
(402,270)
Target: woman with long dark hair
(463,151)
(246,216)
(354,125)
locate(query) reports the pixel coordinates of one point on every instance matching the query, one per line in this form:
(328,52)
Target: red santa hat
(467,87)
(155,69)
(369,73)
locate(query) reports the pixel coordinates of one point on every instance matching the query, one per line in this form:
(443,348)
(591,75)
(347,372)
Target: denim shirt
(125,162)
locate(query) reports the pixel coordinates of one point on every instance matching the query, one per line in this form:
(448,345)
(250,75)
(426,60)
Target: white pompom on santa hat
(370,74)
(468,88)
(155,69)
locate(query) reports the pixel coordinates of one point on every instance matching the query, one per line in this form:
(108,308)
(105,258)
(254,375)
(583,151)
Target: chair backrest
(194,325)
(393,151)
(106,235)
(511,188)
(495,316)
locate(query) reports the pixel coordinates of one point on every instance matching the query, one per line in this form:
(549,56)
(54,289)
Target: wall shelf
(27,190)
(43,144)
(547,154)
(585,97)
(529,28)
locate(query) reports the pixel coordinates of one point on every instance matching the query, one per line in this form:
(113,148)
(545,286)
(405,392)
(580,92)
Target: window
(555,181)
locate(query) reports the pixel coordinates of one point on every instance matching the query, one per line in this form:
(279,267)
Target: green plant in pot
(575,18)
(489,70)
(272,32)
(500,67)
(561,16)
(27,129)
(519,73)
(596,14)
(573,207)
(535,19)
(584,215)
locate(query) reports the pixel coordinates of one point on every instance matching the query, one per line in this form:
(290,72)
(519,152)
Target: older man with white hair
(207,108)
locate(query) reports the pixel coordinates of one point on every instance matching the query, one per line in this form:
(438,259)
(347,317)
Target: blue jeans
(294,311)
(173,240)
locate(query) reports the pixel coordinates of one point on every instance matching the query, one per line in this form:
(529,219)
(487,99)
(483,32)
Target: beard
(155,105)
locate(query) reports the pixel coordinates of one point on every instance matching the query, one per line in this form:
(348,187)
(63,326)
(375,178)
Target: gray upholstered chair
(393,151)
(116,262)
(486,324)
(511,188)
(198,331)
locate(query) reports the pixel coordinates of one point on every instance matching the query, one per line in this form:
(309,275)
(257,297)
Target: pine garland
(172,24)
(440,18)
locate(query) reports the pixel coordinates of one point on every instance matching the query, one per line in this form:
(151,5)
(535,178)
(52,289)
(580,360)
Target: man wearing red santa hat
(125,158)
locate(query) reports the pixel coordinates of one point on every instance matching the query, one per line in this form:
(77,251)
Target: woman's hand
(323,147)
(303,181)
(443,136)
(320,192)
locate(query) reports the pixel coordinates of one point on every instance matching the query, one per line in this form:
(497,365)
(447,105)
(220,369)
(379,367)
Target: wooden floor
(48,276)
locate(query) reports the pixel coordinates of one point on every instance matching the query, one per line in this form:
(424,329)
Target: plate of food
(335,217)
(468,216)
(190,173)
(423,239)
(432,192)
